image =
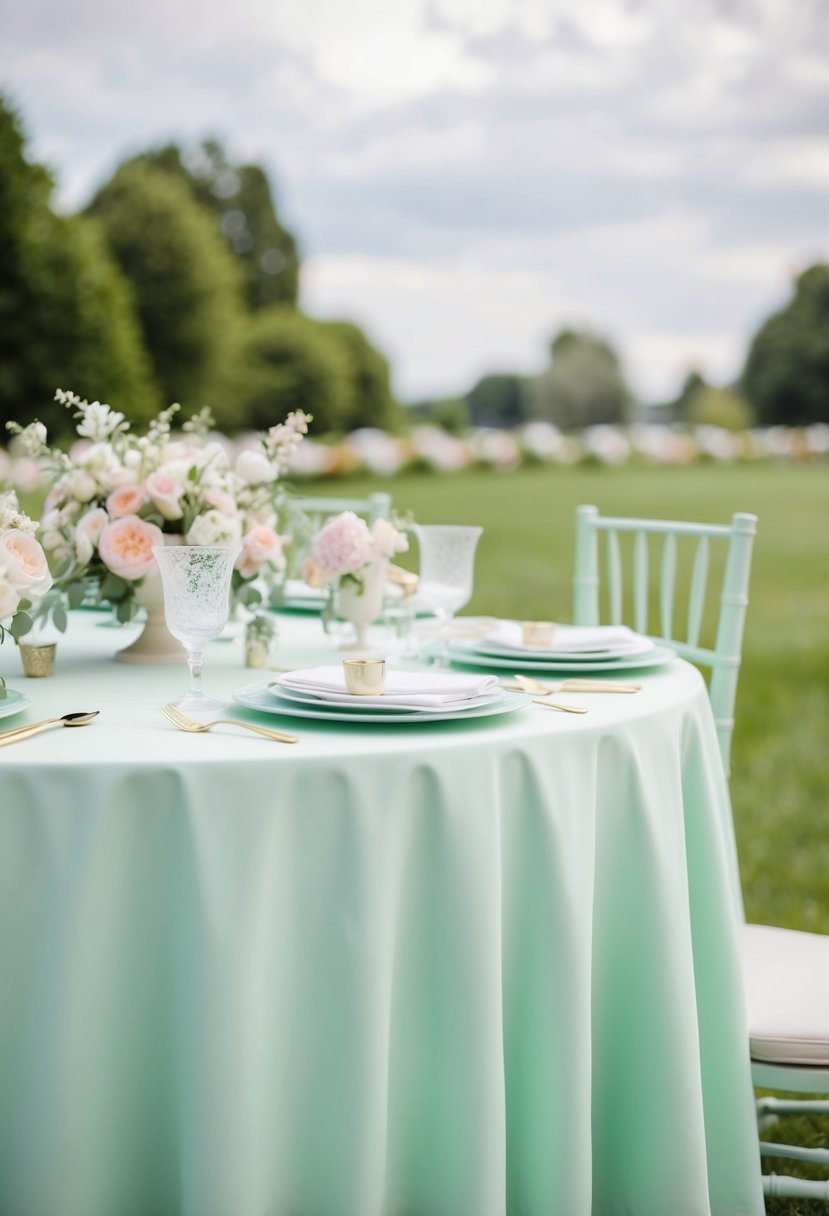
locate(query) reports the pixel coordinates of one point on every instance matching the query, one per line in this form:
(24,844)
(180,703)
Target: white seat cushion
(786,976)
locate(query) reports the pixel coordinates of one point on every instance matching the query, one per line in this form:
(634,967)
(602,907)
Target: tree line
(179,282)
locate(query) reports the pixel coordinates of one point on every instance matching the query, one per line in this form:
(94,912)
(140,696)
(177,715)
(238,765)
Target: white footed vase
(155,643)
(362,606)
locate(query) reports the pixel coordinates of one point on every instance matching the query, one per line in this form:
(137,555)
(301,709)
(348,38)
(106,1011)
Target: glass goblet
(196,581)
(447,560)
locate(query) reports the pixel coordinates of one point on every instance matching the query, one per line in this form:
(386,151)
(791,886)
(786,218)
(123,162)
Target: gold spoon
(34,728)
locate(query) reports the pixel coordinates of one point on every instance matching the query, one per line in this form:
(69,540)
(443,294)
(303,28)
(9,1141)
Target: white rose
(119,477)
(81,485)
(93,523)
(24,563)
(388,539)
(9,598)
(165,494)
(84,548)
(254,467)
(174,450)
(213,454)
(214,528)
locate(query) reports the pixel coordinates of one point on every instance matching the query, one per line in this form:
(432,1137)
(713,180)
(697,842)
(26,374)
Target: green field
(780,762)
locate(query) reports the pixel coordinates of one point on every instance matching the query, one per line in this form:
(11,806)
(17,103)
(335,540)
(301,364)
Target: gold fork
(191,726)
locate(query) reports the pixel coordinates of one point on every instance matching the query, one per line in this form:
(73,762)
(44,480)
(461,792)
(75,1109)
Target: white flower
(215,528)
(81,485)
(93,523)
(84,548)
(9,597)
(98,421)
(253,468)
(388,539)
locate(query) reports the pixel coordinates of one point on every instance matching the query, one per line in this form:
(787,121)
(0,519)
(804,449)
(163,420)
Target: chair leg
(782,1186)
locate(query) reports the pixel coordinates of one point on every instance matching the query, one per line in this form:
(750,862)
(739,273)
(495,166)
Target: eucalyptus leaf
(60,618)
(75,594)
(113,588)
(21,625)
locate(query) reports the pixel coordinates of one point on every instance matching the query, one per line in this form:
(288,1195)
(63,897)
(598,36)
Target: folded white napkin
(403,689)
(575,639)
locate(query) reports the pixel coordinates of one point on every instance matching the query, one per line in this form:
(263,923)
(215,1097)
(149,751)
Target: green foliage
(290,362)
(786,375)
(450,413)
(185,282)
(500,399)
(240,197)
(583,386)
(66,313)
(368,385)
(718,407)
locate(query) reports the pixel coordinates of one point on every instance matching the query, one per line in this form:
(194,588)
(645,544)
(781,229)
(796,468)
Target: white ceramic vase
(361,607)
(155,643)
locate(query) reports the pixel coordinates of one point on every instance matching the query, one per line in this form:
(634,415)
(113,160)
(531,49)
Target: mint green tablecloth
(463,970)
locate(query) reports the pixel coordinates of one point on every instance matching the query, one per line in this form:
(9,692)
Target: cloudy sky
(466,176)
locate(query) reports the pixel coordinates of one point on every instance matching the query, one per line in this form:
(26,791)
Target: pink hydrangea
(343,544)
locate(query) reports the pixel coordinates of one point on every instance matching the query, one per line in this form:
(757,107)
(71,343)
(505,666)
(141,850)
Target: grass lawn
(780,760)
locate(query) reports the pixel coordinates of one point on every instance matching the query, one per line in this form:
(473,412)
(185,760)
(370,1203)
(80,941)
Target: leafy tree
(241,199)
(186,284)
(370,399)
(450,413)
(693,384)
(67,317)
(722,407)
(584,384)
(786,376)
(499,399)
(290,362)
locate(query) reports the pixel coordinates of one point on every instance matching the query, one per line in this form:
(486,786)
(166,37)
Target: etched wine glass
(447,561)
(196,581)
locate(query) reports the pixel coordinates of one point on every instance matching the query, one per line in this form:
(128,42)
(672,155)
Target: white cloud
(465,176)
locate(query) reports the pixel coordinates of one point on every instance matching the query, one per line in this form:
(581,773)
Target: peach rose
(126,546)
(24,563)
(260,545)
(164,493)
(93,523)
(128,500)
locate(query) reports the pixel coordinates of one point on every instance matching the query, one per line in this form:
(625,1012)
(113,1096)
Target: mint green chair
(656,540)
(375,506)
(786,979)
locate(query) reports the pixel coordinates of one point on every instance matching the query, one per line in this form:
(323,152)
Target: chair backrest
(723,658)
(375,506)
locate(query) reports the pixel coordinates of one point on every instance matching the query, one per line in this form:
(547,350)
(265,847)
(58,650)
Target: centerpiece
(353,559)
(116,495)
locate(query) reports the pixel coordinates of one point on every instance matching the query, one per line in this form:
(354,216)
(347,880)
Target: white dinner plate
(13,703)
(499,650)
(370,704)
(262,698)
(470,656)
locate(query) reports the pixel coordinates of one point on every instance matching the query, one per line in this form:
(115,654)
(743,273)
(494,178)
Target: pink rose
(221,500)
(128,500)
(24,563)
(260,545)
(164,493)
(343,544)
(126,546)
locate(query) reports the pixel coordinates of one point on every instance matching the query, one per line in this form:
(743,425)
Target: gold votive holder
(537,633)
(365,677)
(38,661)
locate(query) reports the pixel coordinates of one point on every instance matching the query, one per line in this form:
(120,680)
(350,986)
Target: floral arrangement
(346,546)
(118,494)
(24,571)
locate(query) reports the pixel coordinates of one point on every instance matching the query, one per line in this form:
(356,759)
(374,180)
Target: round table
(461,969)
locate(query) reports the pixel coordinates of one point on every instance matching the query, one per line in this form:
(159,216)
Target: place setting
(365,691)
(551,648)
